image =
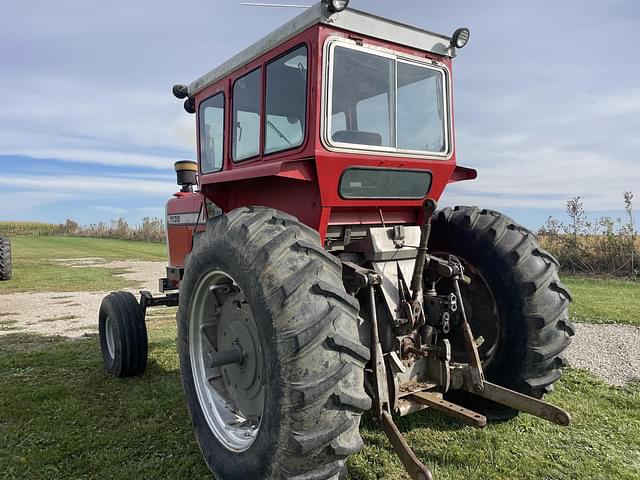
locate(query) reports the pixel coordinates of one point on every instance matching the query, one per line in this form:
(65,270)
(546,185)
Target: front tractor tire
(5,259)
(271,364)
(515,301)
(123,335)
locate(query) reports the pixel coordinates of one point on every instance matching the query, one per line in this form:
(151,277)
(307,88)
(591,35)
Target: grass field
(604,300)
(62,417)
(34,268)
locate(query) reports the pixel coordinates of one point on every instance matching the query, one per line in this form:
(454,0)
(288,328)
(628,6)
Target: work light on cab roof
(315,277)
(337,5)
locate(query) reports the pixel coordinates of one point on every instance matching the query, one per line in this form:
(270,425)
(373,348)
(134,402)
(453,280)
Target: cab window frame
(397,57)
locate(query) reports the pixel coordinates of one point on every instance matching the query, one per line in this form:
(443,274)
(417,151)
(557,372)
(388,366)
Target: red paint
(304,181)
(179,237)
(463,173)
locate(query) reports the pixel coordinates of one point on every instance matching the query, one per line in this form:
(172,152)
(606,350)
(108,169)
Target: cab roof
(350,20)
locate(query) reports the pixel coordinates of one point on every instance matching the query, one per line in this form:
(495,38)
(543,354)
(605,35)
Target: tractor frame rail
(148,300)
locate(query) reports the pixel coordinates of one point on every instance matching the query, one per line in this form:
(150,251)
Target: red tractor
(314,277)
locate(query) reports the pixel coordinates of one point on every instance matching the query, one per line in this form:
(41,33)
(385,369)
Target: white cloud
(74,185)
(15,204)
(153,211)
(121,128)
(613,104)
(81,154)
(586,146)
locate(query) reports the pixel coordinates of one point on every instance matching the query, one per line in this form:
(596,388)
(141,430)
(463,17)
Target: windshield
(381,102)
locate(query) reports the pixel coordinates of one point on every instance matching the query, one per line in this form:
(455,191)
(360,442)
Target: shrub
(602,246)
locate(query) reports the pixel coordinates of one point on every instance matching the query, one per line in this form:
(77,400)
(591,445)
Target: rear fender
(461,174)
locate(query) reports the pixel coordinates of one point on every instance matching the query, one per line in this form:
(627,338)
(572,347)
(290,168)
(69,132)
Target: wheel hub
(231,395)
(243,380)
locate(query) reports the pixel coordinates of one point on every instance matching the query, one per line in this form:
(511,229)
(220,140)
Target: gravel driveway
(71,314)
(611,352)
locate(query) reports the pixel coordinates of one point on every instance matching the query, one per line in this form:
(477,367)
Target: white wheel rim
(110,338)
(233,429)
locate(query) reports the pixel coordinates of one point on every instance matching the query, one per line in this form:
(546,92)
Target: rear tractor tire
(515,301)
(271,364)
(123,335)
(5,259)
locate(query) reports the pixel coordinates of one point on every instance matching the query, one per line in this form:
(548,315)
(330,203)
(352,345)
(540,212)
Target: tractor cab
(348,113)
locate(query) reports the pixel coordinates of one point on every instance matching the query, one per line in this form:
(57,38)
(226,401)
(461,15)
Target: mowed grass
(604,300)
(35,268)
(63,417)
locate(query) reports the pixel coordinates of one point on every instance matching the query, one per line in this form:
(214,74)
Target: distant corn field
(13,229)
(151,229)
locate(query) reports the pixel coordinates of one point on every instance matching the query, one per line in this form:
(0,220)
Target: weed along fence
(594,246)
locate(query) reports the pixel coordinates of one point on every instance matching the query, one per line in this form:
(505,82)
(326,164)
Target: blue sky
(547,100)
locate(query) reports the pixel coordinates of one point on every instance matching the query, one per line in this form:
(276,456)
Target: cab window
(286,101)
(246,116)
(390,103)
(211,133)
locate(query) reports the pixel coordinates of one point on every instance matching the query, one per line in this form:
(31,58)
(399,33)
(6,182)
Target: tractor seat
(358,137)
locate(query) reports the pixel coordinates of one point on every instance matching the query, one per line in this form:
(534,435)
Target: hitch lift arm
(361,278)
(461,376)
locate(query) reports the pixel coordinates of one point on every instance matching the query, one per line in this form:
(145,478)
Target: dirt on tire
(316,370)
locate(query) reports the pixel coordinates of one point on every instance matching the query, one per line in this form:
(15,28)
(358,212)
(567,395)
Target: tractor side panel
(184,215)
